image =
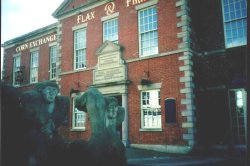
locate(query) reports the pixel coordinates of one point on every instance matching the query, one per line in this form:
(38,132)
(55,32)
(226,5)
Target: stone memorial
(43,112)
(38,115)
(11,127)
(104,146)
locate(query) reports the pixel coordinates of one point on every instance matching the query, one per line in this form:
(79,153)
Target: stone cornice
(60,14)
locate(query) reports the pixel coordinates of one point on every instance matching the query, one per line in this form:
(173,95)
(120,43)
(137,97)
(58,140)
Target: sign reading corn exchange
(36,43)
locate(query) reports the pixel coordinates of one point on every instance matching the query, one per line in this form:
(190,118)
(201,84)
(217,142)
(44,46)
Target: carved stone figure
(43,113)
(94,104)
(104,146)
(114,114)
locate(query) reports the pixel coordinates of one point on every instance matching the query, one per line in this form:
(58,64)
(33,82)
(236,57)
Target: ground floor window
(237,108)
(78,118)
(150,109)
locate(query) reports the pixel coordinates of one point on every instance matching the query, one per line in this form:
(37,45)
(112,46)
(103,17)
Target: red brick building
(140,51)
(26,59)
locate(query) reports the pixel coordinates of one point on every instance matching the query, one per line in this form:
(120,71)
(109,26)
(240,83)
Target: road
(137,157)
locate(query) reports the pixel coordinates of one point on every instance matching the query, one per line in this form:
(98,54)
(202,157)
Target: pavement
(139,157)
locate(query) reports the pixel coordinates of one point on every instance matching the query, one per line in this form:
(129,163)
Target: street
(138,157)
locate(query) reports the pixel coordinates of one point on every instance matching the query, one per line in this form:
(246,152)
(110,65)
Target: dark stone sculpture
(11,127)
(104,146)
(35,116)
(43,113)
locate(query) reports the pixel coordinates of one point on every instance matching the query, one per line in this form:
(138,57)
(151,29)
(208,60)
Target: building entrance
(237,108)
(118,128)
(213,119)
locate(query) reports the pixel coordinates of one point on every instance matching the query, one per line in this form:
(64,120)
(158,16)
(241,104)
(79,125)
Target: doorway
(119,127)
(238,108)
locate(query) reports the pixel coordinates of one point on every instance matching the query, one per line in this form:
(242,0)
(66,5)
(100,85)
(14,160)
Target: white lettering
(109,8)
(22,47)
(128,1)
(85,18)
(79,17)
(36,43)
(93,14)
(134,2)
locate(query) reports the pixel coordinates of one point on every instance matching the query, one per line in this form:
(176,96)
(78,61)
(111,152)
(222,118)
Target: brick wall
(127,29)
(43,67)
(163,69)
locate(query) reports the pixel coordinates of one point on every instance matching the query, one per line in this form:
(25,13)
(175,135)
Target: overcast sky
(19,17)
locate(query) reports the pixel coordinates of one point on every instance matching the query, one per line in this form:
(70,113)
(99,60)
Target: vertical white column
(125,122)
(245,113)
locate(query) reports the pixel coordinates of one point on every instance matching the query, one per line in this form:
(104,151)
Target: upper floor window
(80,49)
(16,69)
(235,22)
(150,109)
(53,52)
(110,30)
(148,32)
(34,67)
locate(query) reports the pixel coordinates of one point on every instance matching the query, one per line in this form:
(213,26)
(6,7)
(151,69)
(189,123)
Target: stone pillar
(125,122)
(188,90)
(4,66)
(59,55)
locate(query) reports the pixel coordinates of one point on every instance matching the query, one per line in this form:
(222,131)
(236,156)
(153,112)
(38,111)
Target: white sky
(19,17)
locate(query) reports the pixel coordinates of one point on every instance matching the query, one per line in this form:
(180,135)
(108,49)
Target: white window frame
(34,66)
(78,114)
(110,28)
(238,104)
(149,30)
(53,58)
(16,67)
(234,22)
(152,119)
(80,45)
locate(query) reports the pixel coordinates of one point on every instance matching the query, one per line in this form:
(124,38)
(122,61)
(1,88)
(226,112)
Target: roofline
(30,34)
(59,13)
(63,4)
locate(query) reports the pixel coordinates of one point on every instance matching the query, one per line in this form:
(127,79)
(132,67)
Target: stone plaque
(110,75)
(108,61)
(110,65)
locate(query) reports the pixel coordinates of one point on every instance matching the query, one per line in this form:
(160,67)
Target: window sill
(17,85)
(78,130)
(25,85)
(75,71)
(148,56)
(32,83)
(150,129)
(171,124)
